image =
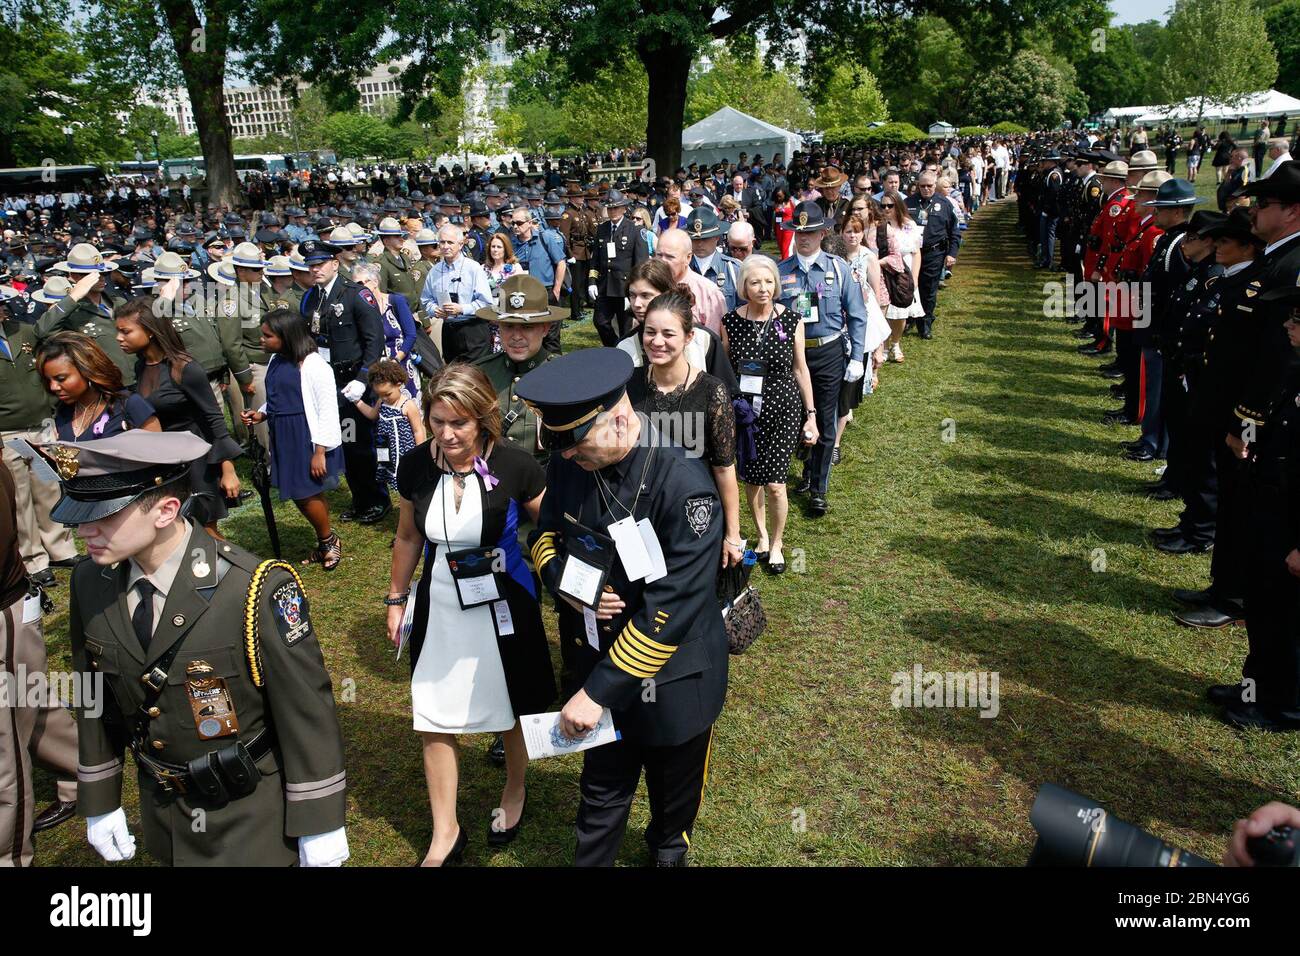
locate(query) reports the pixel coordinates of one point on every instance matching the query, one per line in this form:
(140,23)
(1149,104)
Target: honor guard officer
(1105,243)
(480,231)
(1050,203)
(395,275)
(283,293)
(707,259)
(579,230)
(618,249)
(940,239)
(630,532)
(344,318)
(819,288)
(88,307)
(212,673)
(346,246)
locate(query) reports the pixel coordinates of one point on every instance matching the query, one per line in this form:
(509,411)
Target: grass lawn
(1016,547)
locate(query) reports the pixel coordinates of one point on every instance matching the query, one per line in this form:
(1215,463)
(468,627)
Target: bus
(265,163)
(51,178)
(148,168)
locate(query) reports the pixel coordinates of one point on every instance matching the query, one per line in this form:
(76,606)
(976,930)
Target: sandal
(331,552)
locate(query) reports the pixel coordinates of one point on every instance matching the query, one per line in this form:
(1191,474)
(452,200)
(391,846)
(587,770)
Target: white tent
(1256,106)
(728,133)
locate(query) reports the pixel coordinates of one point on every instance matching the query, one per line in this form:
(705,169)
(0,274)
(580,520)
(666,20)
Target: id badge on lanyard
(475,572)
(805,307)
(752,372)
(589,558)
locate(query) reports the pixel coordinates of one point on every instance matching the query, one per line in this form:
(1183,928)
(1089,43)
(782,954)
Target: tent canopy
(728,132)
(940,128)
(1256,106)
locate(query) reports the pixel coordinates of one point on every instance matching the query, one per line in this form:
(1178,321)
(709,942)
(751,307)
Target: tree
(1115,75)
(611,109)
(933,85)
(1283,24)
(1028,90)
(1215,51)
(851,98)
(744,83)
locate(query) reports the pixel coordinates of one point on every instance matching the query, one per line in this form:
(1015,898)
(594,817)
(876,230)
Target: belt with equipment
(823,340)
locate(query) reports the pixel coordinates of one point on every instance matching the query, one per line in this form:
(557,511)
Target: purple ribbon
(780,329)
(99,425)
(490,480)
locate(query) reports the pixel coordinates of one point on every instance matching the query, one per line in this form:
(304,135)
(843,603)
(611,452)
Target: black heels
(456,854)
(499,838)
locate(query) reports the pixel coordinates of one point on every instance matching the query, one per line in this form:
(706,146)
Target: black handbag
(902,289)
(428,360)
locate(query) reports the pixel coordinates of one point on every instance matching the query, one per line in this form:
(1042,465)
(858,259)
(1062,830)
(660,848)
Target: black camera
(1076,831)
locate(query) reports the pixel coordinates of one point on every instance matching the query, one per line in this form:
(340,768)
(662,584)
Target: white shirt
(1000,157)
(1234,269)
(1284,158)
(1273,245)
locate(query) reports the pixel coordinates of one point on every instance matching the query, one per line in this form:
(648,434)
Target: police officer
(344,318)
(348,246)
(476,237)
(395,274)
(618,250)
(298,231)
(579,230)
(426,243)
(245,301)
(1050,207)
(213,676)
(279,276)
(819,288)
(88,307)
(707,259)
(653,652)
(939,241)
(1106,240)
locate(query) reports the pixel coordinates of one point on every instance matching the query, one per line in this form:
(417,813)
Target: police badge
(803,219)
(337,307)
(517,300)
(698,512)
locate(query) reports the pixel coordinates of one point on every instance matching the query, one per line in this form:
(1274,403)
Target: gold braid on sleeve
(252,637)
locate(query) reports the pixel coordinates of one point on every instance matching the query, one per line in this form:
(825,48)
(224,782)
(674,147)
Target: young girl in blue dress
(306,439)
(398,426)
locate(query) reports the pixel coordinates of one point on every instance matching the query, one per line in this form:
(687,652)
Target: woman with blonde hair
(479,655)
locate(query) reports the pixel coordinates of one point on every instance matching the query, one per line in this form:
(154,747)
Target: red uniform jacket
(1130,267)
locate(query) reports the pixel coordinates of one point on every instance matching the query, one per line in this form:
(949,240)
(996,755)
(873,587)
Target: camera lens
(1076,831)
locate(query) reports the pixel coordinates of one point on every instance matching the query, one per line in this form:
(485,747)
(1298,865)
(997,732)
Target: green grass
(974,554)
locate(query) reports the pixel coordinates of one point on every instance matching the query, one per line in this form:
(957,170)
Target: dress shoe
(245,495)
(1113,374)
(1117,390)
(1140,454)
(375,513)
(1117,416)
(804,486)
(1133,445)
(817,505)
(1094,352)
(1161,494)
(1225,695)
(348,514)
(1252,716)
(926,333)
(497,837)
(1108,367)
(68,563)
(1083,334)
(60,811)
(45,578)
(457,852)
(776,567)
(1181,545)
(1164,534)
(1089,348)
(1192,598)
(1209,617)
(496,751)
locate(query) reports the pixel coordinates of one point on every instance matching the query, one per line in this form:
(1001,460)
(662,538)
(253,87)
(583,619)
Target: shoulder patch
(367,295)
(290,607)
(699,510)
(1116,209)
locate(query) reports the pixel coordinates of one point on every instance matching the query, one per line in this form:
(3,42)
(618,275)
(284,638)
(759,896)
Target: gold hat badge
(803,219)
(65,460)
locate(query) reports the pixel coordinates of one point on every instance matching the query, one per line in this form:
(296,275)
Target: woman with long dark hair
(306,437)
(177,387)
(93,402)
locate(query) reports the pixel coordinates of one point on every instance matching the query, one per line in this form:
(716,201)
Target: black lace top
(696,415)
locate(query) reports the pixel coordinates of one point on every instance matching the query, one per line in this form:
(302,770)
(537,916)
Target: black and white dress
(781,413)
(465,679)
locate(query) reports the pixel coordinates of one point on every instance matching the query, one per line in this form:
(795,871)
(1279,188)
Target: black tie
(142,619)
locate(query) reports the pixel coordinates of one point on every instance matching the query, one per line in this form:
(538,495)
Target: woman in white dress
(906,235)
(478,648)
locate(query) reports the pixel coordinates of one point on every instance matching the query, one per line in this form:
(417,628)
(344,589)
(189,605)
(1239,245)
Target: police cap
(569,392)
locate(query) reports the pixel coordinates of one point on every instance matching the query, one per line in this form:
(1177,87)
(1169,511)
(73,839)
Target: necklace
(79,425)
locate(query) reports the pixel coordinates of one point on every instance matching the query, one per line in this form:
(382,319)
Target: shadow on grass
(1035,514)
(1019,572)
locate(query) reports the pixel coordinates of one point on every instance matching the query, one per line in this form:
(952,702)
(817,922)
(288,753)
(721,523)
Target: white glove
(323,849)
(110,836)
(854,372)
(353,390)
(593,293)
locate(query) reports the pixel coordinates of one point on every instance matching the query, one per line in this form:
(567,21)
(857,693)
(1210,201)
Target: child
(399,427)
(306,439)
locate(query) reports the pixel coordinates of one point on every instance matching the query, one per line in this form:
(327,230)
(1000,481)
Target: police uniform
(719,268)
(618,250)
(939,240)
(344,318)
(579,229)
(660,665)
(830,305)
(395,275)
(523,300)
(96,321)
(245,305)
(213,679)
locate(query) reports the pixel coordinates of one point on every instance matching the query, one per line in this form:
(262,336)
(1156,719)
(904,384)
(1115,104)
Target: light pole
(157,156)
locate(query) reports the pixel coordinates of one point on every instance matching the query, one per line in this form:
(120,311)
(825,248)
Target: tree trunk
(667,66)
(201,51)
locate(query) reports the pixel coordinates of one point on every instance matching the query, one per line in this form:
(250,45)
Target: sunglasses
(886,205)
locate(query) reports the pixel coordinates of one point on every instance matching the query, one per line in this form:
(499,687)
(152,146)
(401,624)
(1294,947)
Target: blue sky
(1136,11)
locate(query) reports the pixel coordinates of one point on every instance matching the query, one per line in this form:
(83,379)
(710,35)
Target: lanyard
(608,496)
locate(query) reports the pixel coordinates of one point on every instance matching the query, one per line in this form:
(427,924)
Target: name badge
(752,372)
(473,571)
(589,625)
(805,309)
(587,564)
(638,549)
(324,352)
(382,455)
(210,702)
(611,250)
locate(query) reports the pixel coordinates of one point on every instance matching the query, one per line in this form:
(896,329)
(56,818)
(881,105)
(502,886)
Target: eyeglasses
(886,205)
